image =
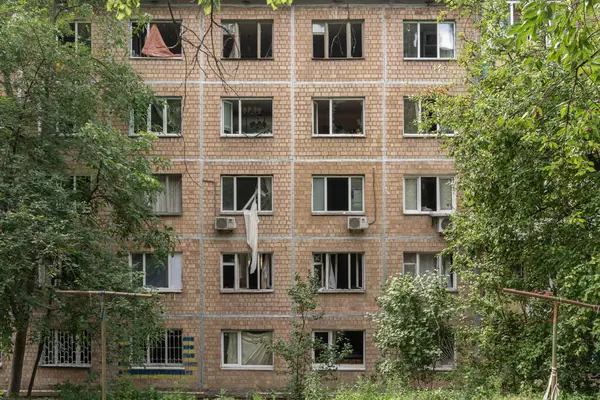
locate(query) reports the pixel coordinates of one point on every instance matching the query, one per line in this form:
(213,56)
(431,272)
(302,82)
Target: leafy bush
(123,390)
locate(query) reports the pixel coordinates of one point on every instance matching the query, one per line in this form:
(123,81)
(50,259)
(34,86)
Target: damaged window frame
(236,50)
(418,26)
(240,100)
(259,183)
(172,186)
(158,21)
(172,267)
(239,268)
(331,133)
(327,47)
(82,342)
(325,211)
(239,351)
(165,117)
(321,261)
(407,101)
(332,336)
(445,272)
(418,201)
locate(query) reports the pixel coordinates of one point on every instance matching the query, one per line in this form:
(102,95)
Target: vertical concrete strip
(200,353)
(383,149)
(292,139)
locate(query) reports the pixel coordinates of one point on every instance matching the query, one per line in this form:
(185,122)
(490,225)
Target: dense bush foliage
(122,390)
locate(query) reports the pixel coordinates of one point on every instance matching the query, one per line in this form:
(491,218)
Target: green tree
(59,106)
(527,154)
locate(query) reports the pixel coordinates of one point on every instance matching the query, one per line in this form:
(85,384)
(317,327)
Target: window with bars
(246,350)
(168,202)
(236,192)
(429,194)
(417,112)
(429,40)
(355,360)
(339,271)
(247,40)
(166,350)
(237,274)
(164,275)
(337,194)
(337,39)
(338,116)
(247,116)
(417,264)
(64,349)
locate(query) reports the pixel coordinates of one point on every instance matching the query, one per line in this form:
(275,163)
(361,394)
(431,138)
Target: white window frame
(348,38)
(236,35)
(437,212)
(166,364)
(240,212)
(326,212)
(55,333)
(439,268)
(418,23)
(239,364)
(236,265)
(511,12)
(167,189)
(330,341)
(157,21)
(240,133)
(76,32)
(325,265)
(174,285)
(315,117)
(438,129)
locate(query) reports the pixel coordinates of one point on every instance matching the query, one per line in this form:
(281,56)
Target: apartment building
(316,124)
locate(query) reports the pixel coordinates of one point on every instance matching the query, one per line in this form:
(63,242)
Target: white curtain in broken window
(247,40)
(67,349)
(429,40)
(249,116)
(164,275)
(339,271)
(338,194)
(236,191)
(247,349)
(159,39)
(428,194)
(337,39)
(236,272)
(417,264)
(338,116)
(168,201)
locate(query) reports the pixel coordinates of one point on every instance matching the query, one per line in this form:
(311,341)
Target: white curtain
(332,282)
(266,271)
(231,356)
(255,348)
(251,220)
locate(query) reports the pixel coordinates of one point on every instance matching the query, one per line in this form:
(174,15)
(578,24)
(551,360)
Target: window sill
(338,213)
(341,367)
(240,213)
(164,290)
(155,58)
(178,214)
(428,59)
(245,291)
(342,291)
(246,135)
(427,135)
(159,366)
(246,59)
(429,213)
(160,136)
(82,366)
(247,367)
(337,58)
(339,135)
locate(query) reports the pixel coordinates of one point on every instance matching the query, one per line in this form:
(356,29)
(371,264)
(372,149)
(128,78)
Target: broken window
(156,39)
(418,112)
(338,116)
(164,275)
(343,39)
(166,349)
(247,349)
(426,194)
(338,194)
(247,40)
(168,202)
(417,264)
(163,118)
(81,34)
(238,190)
(64,349)
(339,271)
(338,340)
(429,40)
(236,272)
(247,116)
(81,185)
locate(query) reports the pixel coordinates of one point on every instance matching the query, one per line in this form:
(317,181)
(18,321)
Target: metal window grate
(67,349)
(166,350)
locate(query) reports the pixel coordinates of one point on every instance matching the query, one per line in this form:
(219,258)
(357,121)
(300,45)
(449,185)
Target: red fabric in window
(155,45)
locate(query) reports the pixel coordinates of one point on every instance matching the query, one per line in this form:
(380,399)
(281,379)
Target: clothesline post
(102,295)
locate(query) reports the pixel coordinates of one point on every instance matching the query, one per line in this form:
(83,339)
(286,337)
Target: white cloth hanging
(251,220)
(332,283)
(266,272)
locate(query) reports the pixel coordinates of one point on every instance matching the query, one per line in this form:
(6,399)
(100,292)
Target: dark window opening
(342,271)
(157,351)
(428,33)
(175,347)
(228,271)
(321,112)
(248,39)
(356,271)
(322,339)
(245,189)
(337,194)
(347,116)
(237,192)
(81,33)
(156,39)
(356,342)
(337,41)
(356,40)
(428,194)
(156,272)
(266,40)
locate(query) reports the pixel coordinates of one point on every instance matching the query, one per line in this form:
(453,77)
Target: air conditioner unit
(442,223)
(357,223)
(225,223)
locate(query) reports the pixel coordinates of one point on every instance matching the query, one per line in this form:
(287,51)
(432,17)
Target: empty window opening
(162,274)
(238,190)
(67,349)
(338,194)
(429,40)
(247,40)
(168,201)
(339,271)
(338,116)
(338,340)
(156,39)
(241,349)
(80,34)
(337,39)
(418,264)
(163,118)
(236,272)
(426,194)
(247,116)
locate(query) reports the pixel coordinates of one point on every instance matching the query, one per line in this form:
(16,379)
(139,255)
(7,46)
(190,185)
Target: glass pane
(428,33)
(257,116)
(160,202)
(427,263)
(321,116)
(156,272)
(230,348)
(244,260)
(266,40)
(411,108)
(227,194)
(322,340)
(246,187)
(318,28)
(137,263)
(174,116)
(156,117)
(318,40)
(229,46)
(266,194)
(410,194)
(337,41)
(228,277)
(447,272)
(446,40)
(227,116)
(255,348)
(84,33)
(410,40)
(347,116)
(428,194)
(409,269)
(318,194)
(248,39)
(356,194)
(337,194)
(446,202)
(174,195)
(356,49)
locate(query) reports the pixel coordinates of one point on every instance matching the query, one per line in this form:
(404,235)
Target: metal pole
(103,346)
(554,334)
(594,307)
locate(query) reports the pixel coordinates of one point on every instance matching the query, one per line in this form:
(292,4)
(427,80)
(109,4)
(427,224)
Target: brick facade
(291,156)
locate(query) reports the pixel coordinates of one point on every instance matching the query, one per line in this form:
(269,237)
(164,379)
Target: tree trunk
(38,356)
(17,362)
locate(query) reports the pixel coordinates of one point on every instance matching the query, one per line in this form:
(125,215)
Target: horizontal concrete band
(251,316)
(306,238)
(313,160)
(301,83)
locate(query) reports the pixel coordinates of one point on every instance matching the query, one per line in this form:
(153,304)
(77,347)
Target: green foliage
(413,328)
(123,390)
(528,157)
